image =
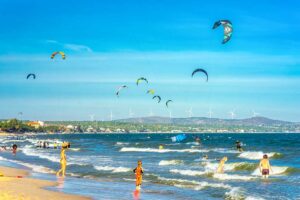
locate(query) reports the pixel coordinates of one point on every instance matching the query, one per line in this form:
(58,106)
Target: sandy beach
(16,185)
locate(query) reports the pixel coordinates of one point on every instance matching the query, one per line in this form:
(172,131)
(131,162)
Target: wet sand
(15,184)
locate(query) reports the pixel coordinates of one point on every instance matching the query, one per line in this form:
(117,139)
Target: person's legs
(64,170)
(58,172)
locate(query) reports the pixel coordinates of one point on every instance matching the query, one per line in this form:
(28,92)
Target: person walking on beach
(220,169)
(138,175)
(265,167)
(63,162)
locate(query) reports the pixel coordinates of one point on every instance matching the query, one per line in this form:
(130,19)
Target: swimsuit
(265,172)
(138,174)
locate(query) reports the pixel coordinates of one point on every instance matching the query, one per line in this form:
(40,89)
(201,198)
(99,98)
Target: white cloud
(70,46)
(77,47)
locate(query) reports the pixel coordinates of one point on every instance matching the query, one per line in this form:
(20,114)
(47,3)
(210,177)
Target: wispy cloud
(77,47)
(70,46)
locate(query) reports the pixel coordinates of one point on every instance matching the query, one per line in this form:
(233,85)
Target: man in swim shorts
(265,167)
(239,146)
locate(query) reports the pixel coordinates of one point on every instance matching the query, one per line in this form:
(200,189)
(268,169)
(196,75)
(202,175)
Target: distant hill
(254,121)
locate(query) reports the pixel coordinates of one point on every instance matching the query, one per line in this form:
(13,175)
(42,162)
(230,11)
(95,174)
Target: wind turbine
(254,114)
(130,113)
(111,115)
(20,115)
(92,117)
(210,113)
(170,114)
(232,114)
(190,112)
(151,113)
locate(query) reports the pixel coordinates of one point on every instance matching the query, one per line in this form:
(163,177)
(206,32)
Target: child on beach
(220,169)
(138,175)
(63,162)
(265,167)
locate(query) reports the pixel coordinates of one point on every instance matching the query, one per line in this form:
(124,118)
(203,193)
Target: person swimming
(239,146)
(265,167)
(198,140)
(205,157)
(161,147)
(220,169)
(14,149)
(63,162)
(138,175)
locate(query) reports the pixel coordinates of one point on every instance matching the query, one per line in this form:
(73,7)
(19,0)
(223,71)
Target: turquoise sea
(100,165)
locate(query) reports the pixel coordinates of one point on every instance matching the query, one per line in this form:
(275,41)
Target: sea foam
(256,155)
(133,149)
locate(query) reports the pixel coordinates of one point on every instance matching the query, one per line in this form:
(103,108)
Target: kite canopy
(63,55)
(29,75)
(178,138)
(227,25)
(167,103)
(200,70)
(140,80)
(120,88)
(151,91)
(158,97)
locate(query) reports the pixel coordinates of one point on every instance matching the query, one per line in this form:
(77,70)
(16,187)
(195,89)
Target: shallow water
(102,165)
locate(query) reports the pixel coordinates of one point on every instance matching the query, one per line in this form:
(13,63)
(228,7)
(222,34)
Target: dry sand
(24,188)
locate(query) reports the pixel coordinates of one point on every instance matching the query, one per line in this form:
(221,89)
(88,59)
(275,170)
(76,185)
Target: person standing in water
(239,146)
(138,175)
(197,140)
(63,162)
(265,167)
(220,169)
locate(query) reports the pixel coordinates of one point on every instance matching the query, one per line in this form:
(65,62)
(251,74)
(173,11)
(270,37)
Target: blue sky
(111,43)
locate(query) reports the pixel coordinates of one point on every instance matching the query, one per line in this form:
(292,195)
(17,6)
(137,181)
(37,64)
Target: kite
(120,88)
(158,97)
(29,75)
(141,79)
(63,55)
(227,29)
(200,70)
(167,103)
(151,91)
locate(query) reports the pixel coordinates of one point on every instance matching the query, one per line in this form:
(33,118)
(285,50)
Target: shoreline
(154,133)
(17,184)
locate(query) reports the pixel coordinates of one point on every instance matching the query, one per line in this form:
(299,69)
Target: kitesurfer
(198,140)
(239,146)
